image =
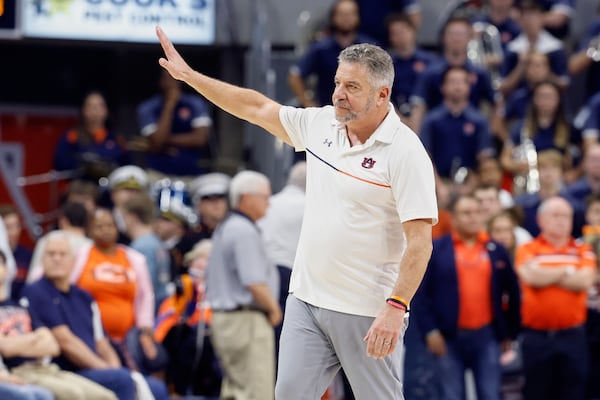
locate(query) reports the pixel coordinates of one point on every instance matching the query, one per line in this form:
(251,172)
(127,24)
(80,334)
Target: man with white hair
(242,287)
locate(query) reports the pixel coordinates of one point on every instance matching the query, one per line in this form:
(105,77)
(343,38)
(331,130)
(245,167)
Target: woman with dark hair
(117,277)
(90,148)
(544,127)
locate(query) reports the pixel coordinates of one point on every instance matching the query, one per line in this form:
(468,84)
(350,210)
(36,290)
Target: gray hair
(297,175)
(245,182)
(377,61)
(60,235)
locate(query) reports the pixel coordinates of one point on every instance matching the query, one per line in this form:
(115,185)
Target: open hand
(173,63)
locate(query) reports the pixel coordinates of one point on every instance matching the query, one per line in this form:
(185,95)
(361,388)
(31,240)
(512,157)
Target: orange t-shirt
(553,307)
(111,280)
(474,273)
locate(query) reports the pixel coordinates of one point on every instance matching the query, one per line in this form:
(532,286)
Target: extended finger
(165,42)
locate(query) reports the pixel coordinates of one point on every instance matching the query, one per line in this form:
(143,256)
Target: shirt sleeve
(413,182)
(296,122)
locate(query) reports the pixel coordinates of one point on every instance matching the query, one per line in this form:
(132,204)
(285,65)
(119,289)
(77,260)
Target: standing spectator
(455,133)
(373,16)
(177,126)
(183,326)
(591,236)
(209,195)
(546,125)
(555,273)
(124,183)
(583,61)
(242,288)
(500,14)
(533,38)
(409,60)
(501,228)
(489,201)
(91,149)
(368,172)
(171,227)
(321,57)
(74,319)
(557,16)
(456,35)
(550,169)
(467,305)
(21,254)
(590,181)
(138,214)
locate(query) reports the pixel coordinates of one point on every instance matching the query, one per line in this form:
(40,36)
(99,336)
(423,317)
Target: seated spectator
(26,350)
(177,127)
(533,38)
(491,173)
(74,319)
(91,148)
(117,278)
(556,16)
(21,254)
(182,326)
(72,220)
(455,134)
(14,388)
(321,58)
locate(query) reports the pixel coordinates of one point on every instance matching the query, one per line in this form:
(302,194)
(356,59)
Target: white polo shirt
(357,197)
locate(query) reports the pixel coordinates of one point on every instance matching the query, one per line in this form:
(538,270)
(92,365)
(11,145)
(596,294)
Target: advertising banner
(185,21)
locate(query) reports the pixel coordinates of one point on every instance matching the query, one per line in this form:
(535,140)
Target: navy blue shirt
(51,308)
(374,13)
(455,141)
(22,257)
(592,82)
(508,29)
(428,85)
(190,112)
(407,72)
(530,202)
(518,103)
(321,59)
(543,138)
(592,122)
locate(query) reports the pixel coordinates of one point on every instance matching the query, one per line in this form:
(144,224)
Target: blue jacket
(435,305)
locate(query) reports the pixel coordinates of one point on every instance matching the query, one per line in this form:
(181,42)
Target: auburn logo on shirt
(113,273)
(368,162)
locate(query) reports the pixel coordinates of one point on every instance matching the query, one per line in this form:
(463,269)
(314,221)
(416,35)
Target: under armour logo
(368,163)
(327,142)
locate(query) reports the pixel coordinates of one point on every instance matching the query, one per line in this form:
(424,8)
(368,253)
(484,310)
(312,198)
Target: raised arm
(243,103)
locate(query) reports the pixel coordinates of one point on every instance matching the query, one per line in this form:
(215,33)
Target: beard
(350,114)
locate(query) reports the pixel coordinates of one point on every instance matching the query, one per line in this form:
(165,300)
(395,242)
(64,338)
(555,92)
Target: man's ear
(384,94)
